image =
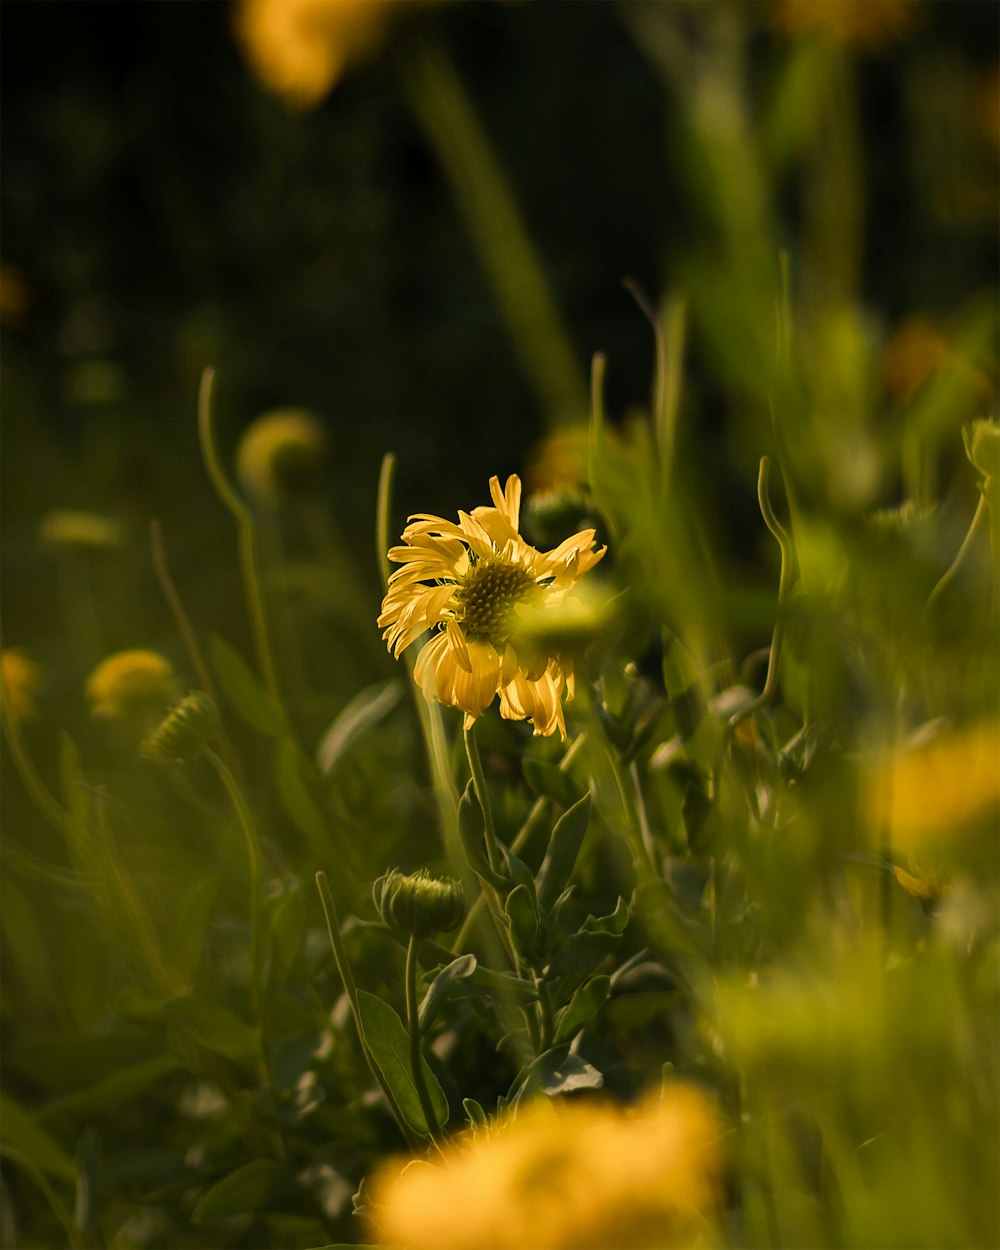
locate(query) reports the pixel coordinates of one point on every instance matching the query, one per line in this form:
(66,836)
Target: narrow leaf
(20,1131)
(215,1027)
(555,1072)
(442,987)
(550,782)
(246,1189)
(361,714)
(389,1043)
(564,847)
(244,689)
(583,1006)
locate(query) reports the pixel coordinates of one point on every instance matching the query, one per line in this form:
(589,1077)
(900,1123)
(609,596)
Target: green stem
(953,568)
(482,794)
(249,561)
(413,1026)
(56,1205)
(784,584)
(252,840)
(39,795)
(351,990)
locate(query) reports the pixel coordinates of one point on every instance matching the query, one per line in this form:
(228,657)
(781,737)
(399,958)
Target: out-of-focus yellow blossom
(867,25)
(929,885)
(280,453)
(64,530)
(560,460)
(470,583)
(585,1176)
(132,684)
(930,795)
(916,349)
(300,48)
(21,678)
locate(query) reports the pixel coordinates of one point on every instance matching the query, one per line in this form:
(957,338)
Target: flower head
(65,530)
(131,684)
(558,1176)
(471,583)
(184,731)
(280,452)
(418,903)
(21,677)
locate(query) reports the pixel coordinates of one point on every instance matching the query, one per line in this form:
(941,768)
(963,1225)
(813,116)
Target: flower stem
(413,1026)
(252,840)
(953,568)
(249,562)
(351,990)
(482,794)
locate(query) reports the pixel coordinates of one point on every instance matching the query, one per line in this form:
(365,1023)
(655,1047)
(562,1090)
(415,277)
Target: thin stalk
(413,1027)
(641,811)
(249,560)
(53,812)
(183,622)
(784,584)
(482,794)
(73,1234)
(524,835)
(351,990)
(252,841)
(980,514)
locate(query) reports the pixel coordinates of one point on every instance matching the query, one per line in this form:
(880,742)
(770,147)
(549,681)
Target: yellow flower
(580,1176)
(470,583)
(131,684)
(300,48)
(65,529)
(21,678)
(280,452)
(864,24)
(930,794)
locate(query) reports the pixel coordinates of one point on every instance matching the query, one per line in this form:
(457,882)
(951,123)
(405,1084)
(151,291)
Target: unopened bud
(184,732)
(418,903)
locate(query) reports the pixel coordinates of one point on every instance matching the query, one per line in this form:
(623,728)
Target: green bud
(552,515)
(185,730)
(418,903)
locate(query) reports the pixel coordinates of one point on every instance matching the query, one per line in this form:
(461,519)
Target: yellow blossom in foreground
(471,583)
(864,24)
(21,677)
(583,1176)
(300,48)
(131,683)
(934,793)
(280,452)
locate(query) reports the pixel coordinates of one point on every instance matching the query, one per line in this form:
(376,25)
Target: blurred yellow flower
(280,452)
(583,1176)
(916,349)
(929,794)
(131,684)
(470,583)
(560,460)
(65,529)
(21,678)
(867,25)
(300,48)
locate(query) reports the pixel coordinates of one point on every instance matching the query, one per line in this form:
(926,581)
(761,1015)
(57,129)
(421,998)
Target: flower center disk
(487,597)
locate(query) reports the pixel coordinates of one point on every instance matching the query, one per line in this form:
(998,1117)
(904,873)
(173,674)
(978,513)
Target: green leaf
(442,987)
(189,928)
(551,782)
(476,1116)
(583,1006)
(564,847)
(582,955)
(615,922)
(20,1131)
(556,1071)
(243,688)
(389,1043)
(215,1027)
(246,1189)
(521,912)
(360,715)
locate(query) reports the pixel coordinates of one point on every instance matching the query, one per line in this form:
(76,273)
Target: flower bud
(281,454)
(418,903)
(183,733)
